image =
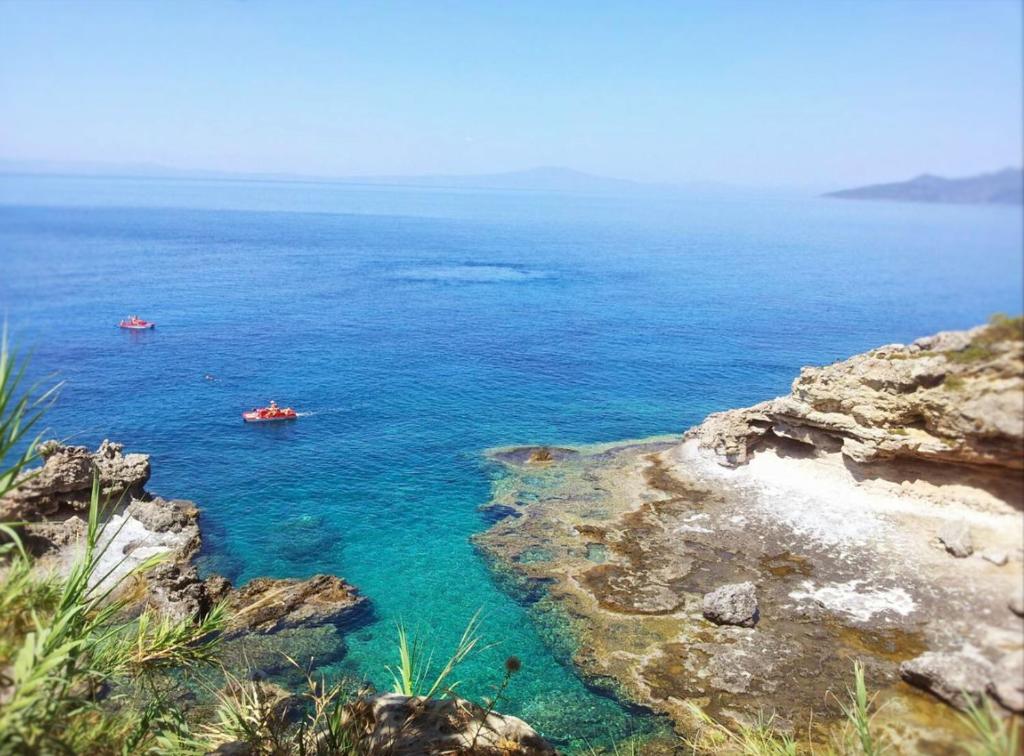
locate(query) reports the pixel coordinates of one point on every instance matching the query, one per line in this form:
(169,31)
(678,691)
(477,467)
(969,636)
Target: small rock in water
(956,537)
(958,678)
(996,556)
(734,604)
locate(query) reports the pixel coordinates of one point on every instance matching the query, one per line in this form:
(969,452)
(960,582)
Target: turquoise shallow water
(418,328)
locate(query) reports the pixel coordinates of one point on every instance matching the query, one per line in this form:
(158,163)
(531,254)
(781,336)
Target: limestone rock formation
(952,398)
(734,604)
(64,482)
(410,726)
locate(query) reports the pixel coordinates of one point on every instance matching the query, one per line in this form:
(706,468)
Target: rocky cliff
(954,399)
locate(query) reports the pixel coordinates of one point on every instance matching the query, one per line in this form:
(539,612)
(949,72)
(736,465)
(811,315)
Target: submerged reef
(874,514)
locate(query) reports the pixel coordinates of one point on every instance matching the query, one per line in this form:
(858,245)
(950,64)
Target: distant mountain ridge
(543,178)
(1005,187)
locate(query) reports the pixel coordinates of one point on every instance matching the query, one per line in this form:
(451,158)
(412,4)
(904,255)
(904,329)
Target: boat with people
(135,323)
(269,413)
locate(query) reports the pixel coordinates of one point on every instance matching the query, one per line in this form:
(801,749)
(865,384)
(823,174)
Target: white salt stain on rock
(860,605)
(686,527)
(692,529)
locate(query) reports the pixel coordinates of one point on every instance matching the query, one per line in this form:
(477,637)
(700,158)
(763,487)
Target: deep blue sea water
(420,327)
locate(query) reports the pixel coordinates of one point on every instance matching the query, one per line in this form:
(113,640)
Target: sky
(751,92)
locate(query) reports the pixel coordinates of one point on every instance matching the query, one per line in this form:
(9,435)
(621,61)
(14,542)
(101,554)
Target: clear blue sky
(822,91)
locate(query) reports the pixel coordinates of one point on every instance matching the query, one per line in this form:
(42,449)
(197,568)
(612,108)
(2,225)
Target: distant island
(1005,187)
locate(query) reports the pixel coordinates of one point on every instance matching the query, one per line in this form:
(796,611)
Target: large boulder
(734,604)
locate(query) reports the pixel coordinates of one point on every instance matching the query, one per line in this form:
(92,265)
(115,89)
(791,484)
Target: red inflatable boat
(135,323)
(269,414)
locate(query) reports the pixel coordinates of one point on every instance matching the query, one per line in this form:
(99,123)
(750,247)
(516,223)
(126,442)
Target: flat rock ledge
(958,678)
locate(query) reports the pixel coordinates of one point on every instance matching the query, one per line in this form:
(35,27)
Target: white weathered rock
(734,604)
(956,537)
(998,557)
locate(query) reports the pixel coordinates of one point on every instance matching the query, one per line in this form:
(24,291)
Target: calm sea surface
(418,328)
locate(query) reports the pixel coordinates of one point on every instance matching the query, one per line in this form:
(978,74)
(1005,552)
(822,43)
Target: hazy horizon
(788,94)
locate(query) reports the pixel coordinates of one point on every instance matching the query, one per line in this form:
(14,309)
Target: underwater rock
(959,678)
(956,537)
(271,654)
(734,604)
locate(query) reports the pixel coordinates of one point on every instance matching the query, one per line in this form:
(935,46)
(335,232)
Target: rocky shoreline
(269,620)
(874,513)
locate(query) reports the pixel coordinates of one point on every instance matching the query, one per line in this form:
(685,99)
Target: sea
(413,329)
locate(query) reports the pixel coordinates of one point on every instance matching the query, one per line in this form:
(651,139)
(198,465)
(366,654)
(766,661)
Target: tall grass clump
(859,716)
(76,674)
(763,738)
(21,410)
(993,735)
(411,675)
